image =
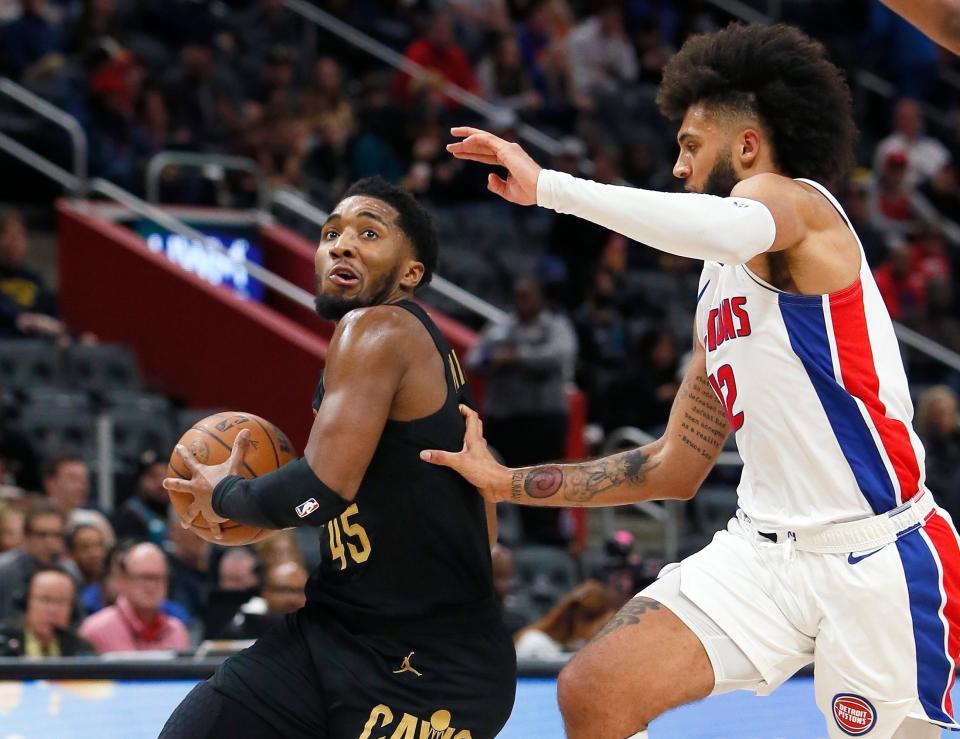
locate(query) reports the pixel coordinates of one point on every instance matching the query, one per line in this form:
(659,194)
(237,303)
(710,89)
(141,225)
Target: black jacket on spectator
(13,643)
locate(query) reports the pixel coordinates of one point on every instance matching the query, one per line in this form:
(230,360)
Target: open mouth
(344,276)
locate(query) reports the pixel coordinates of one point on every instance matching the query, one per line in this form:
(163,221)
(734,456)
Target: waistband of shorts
(855,536)
(453,619)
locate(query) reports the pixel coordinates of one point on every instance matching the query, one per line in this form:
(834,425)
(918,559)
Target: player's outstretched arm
(939,19)
(730,230)
(673,466)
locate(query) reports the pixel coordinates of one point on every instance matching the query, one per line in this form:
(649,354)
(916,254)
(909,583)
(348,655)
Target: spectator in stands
(273,83)
(938,424)
(118,145)
(602,59)
(901,286)
(43,545)
(31,37)
(27,306)
(66,482)
(136,622)
(856,204)
(283,592)
(943,192)
(437,51)
(238,570)
(570,624)
(505,81)
(924,155)
(189,562)
(266,25)
(517,608)
(98,595)
(325,101)
(895,208)
(44,628)
(143,516)
(11,526)
(87,547)
(940,321)
(203,100)
(279,548)
(528,361)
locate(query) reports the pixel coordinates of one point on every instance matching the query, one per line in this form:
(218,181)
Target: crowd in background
(247,77)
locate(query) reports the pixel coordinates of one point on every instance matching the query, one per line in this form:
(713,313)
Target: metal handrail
(43,165)
(161,160)
(291,200)
(922,344)
(52,113)
(383,52)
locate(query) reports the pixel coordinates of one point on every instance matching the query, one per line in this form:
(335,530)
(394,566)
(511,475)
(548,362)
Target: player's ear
(748,147)
(412,274)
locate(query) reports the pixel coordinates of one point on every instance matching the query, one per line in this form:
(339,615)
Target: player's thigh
(644,662)
(206,714)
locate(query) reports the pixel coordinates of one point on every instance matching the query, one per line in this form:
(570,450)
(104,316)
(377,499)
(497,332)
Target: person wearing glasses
(42,547)
(136,623)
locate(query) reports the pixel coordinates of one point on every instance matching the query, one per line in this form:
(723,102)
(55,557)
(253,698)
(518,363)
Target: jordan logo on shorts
(405,666)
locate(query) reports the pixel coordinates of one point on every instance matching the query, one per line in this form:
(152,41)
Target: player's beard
(333,307)
(722,179)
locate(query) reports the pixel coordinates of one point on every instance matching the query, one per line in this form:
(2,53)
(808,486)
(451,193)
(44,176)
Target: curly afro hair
(779,75)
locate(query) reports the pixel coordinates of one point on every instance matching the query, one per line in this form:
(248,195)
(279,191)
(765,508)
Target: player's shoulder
(806,199)
(378,328)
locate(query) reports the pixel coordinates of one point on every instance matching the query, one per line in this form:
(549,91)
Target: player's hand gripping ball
(210,443)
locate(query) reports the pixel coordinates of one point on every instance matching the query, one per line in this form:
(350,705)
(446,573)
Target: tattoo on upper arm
(703,425)
(629,615)
(580,482)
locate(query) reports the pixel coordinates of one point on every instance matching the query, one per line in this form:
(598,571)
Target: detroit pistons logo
(854,715)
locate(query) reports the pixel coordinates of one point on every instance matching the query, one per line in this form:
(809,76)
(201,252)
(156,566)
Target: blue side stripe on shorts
(807,330)
(923,585)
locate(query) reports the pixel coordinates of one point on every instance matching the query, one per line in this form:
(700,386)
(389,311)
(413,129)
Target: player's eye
(691,148)
(369,233)
(327,235)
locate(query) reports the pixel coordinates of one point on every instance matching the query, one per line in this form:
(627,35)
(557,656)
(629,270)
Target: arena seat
(28,363)
(51,431)
(103,367)
(135,430)
(547,573)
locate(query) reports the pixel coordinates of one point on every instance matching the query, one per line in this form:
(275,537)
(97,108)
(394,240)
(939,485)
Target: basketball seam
(226,446)
(276,454)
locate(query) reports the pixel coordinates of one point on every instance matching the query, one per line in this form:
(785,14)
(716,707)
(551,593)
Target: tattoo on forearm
(703,426)
(542,482)
(580,482)
(516,485)
(629,615)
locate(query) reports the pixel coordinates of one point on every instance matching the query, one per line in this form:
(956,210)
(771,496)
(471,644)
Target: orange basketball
(210,442)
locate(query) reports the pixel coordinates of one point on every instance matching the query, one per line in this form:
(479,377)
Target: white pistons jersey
(815,390)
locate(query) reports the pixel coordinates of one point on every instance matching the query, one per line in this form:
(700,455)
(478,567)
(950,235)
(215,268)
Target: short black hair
(778,74)
(51,465)
(39,507)
(413,219)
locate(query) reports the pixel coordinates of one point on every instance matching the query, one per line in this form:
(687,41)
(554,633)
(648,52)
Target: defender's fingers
(496,185)
(462,131)
(437,457)
(460,153)
(187,457)
(474,433)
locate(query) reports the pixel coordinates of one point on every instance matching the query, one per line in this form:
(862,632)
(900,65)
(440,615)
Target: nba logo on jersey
(853,714)
(307,507)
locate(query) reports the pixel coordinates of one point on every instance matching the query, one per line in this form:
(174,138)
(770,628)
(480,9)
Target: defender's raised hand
(474,462)
(520,187)
(204,478)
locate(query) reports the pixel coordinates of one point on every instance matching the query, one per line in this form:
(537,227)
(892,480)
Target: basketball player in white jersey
(838,555)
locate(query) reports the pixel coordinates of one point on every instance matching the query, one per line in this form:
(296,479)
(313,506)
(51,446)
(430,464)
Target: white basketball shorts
(882,628)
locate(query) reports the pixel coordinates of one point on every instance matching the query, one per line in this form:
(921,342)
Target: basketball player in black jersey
(401,637)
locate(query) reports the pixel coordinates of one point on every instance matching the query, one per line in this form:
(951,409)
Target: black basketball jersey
(413,544)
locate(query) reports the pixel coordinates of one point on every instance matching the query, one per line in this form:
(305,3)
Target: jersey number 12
(723,380)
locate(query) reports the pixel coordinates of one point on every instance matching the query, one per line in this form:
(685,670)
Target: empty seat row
(98,368)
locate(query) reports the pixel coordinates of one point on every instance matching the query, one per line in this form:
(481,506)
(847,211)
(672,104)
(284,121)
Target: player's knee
(573,690)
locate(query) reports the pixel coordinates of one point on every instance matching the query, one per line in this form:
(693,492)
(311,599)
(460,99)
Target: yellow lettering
(361,553)
(378,712)
(336,544)
(407,728)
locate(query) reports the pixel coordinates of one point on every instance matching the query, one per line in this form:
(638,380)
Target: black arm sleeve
(290,496)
